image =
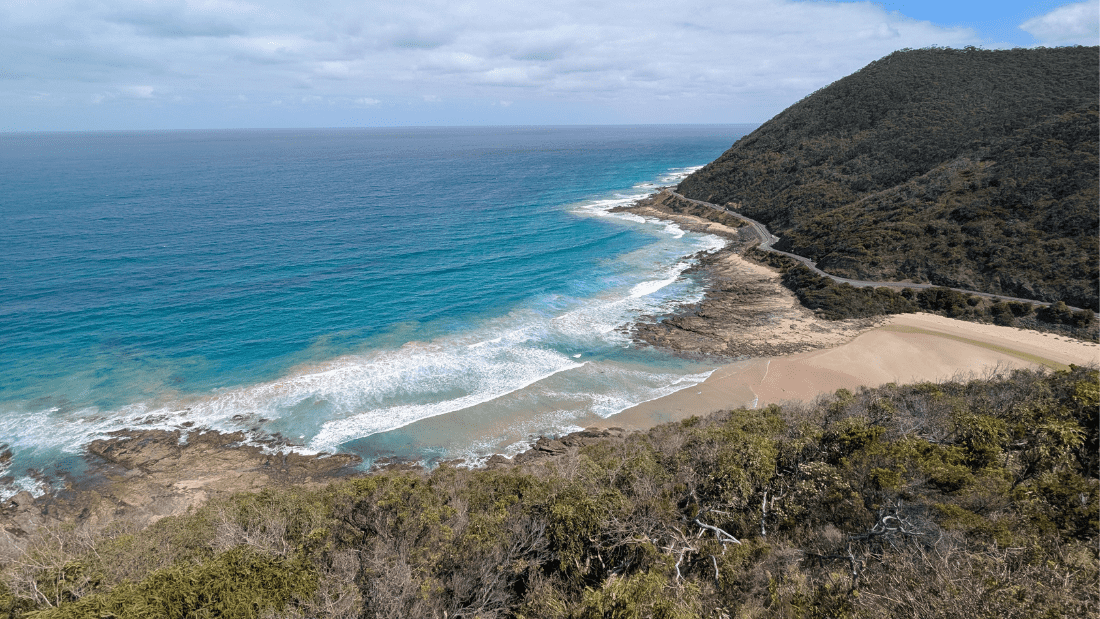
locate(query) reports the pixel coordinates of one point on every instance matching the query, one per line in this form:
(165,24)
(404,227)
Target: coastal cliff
(967,168)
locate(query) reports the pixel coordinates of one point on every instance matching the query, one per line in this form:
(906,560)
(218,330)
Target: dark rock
(497,461)
(22,501)
(550,446)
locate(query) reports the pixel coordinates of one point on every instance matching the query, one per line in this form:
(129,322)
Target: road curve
(767,239)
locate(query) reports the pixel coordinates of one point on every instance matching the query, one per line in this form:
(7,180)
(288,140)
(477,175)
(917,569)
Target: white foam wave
(606,318)
(600,207)
(491,382)
(676,175)
(648,288)
(656,386)
(603,208)
(612,388)
(629,217)
(358,395)
(709,243)
(355,396)
(35,487)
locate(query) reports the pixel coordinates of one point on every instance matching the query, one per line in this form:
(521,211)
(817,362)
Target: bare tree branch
(722,536)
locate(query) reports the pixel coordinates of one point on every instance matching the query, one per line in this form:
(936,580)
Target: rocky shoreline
(140,476)
(137,477)
(746,311)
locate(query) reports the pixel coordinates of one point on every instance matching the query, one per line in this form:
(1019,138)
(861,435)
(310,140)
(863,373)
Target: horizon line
(376,127)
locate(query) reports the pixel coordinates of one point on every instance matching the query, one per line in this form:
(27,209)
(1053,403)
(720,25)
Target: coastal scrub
(976,497)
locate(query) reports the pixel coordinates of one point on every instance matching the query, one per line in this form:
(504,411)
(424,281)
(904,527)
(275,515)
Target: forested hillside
(967,168)
(974,498)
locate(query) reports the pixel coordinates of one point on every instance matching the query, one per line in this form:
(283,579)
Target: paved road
(767,239)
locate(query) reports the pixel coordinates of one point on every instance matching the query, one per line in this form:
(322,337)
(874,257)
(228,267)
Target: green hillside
(966,168)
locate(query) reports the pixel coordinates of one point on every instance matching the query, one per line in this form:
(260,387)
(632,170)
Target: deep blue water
(333,285)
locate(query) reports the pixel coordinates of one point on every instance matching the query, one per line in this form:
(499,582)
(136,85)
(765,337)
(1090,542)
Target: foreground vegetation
(975,498)
(967,168)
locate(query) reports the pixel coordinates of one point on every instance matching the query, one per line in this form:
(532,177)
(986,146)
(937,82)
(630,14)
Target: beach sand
(907,348)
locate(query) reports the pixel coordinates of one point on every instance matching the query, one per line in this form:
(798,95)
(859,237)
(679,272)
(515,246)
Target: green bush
(238,584)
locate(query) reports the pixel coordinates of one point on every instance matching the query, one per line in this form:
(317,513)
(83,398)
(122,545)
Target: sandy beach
(906,348)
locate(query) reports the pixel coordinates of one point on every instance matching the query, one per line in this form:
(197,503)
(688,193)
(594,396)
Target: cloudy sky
(179,64)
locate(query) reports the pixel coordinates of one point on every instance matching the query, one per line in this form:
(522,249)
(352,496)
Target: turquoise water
(339,288)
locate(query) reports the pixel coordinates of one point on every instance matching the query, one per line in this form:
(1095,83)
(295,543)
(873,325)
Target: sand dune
(907,348)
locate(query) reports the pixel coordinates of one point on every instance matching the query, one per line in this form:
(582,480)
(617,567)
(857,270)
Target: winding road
(767,240)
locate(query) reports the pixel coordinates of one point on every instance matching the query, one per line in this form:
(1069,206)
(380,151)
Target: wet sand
(907,348)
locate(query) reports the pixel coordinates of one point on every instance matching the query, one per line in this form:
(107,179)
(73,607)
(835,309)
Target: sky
(75,65)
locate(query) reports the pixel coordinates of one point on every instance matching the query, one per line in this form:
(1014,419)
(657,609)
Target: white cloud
(340,70)
(645,60)
(1070,24)
(139,92)
(507,76)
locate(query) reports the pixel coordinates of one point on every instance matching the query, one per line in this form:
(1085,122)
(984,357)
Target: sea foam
(558,349)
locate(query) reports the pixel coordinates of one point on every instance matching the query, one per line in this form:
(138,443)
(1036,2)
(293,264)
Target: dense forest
(966,168)
(973,498)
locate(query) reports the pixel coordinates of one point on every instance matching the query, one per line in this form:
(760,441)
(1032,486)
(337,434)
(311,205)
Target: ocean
(420,293)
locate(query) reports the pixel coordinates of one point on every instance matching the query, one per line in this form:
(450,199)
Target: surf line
(767,366)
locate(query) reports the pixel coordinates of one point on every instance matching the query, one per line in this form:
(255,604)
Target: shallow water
(425,293)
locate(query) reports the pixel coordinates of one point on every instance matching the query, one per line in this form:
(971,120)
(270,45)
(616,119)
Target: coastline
(140,476)
(783,353)
(777,351)
(746,311)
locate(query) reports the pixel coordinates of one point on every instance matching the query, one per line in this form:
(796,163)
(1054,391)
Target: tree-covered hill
(967,168)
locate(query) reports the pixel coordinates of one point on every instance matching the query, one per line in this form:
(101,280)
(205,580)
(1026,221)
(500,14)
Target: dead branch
(722,536)
(856,565)
(763,514)
(679,560)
